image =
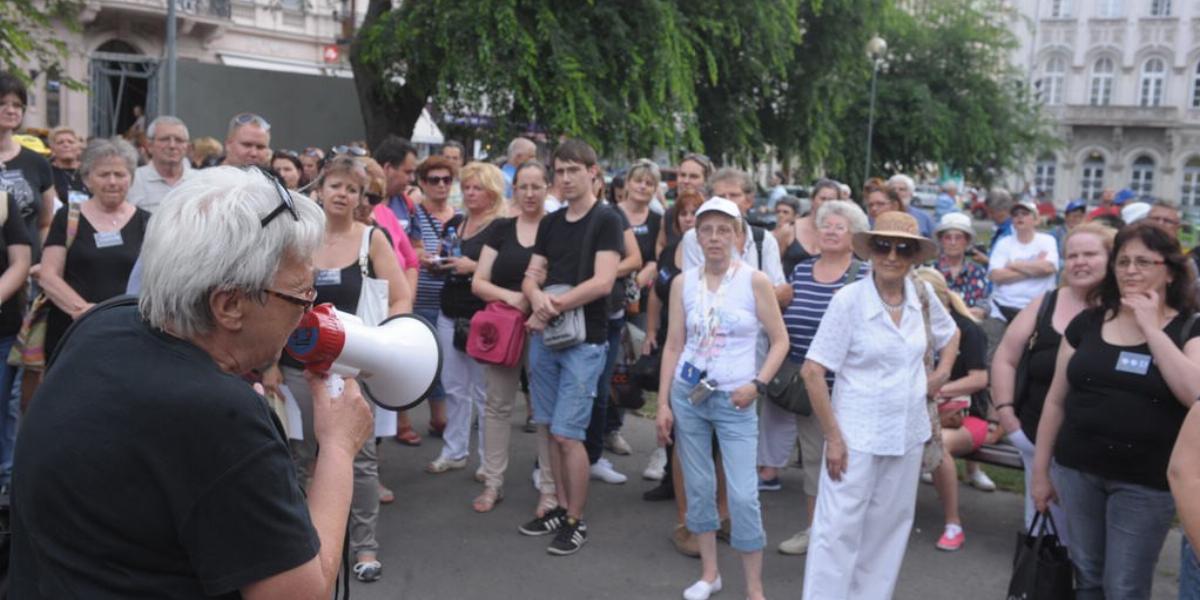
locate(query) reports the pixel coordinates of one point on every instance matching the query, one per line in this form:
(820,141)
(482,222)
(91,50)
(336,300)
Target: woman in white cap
(878,335)
(964,276)
(709,383)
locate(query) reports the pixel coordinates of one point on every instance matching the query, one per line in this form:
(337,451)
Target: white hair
(166,120)
(905,179)
(104,148)
(519,145)
(208,235)
(855,217)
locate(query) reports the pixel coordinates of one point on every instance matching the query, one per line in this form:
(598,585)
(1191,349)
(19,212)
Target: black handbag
(1021,377)
(786,389)
(462,331)
(1042,569)
(625,393)
(645,371)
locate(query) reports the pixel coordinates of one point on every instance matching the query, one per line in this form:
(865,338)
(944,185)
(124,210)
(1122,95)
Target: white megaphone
(396,362)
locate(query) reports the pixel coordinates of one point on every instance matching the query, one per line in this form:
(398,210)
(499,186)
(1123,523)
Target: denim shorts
(562,385)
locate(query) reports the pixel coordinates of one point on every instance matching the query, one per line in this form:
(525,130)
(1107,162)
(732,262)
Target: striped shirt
(810,298)
(429,285)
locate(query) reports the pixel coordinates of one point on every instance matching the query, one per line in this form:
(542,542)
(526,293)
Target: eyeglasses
(286,202)
(248,118)
(445,180)
(716,230)
(1139,263)
(305,303)
(884,247)
(13,104)
(171,139)
(834,228)
(351,150)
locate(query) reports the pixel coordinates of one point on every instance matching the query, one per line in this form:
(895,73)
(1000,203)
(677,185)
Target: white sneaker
(797,544)
(537,479)
(613,442)
(980,481)
(656,466)
(701,590)
(604,471)
(927,478)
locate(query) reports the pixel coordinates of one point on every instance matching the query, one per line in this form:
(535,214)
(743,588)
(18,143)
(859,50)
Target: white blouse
(879,388)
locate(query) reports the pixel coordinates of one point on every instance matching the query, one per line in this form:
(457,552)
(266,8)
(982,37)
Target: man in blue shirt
(904,186)
(398,158)
(519,150)
(999,205)
(947,201)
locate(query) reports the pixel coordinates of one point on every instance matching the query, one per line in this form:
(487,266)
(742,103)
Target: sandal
(488,500)
(408,437)
(368,571)
(546,503)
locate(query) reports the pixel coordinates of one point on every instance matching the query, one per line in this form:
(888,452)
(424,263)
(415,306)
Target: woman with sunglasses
(286,164)
(877,336)
(339,281)
(1127,372)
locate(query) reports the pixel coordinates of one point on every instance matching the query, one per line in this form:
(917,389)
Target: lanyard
(710,314)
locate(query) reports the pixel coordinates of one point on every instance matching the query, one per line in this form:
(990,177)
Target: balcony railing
(221,9)
(1125,116)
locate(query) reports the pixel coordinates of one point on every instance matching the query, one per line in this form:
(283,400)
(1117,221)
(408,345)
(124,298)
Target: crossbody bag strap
(364,253)
(72,223)
(1187,328)
(855,267)
(589,240)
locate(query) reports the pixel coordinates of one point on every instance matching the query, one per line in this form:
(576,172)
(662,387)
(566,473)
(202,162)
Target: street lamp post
(876,49)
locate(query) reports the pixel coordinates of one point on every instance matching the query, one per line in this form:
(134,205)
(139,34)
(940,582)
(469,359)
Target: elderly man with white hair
(168,166)
(192,465)
(519,150)
(904,186)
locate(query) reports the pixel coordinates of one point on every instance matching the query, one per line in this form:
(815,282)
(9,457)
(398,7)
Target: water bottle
(452,244)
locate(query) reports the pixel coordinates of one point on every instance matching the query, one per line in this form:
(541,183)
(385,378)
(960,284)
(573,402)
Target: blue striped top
(810,299)
(429,285)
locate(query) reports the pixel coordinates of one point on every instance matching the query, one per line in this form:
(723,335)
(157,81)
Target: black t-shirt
(972,347)
(26,177)
(13,233)
(1043,357)
(646,234)
(565,245)
(458,302)
(67,181)
(512,259)
(95,273)
(145,471)
(1120,424)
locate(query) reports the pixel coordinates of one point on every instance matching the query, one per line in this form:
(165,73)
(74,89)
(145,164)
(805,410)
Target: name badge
(329,277)
(690,374)
(108,239)
(1133,362)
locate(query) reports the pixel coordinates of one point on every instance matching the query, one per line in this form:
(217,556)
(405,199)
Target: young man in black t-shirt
(577,246)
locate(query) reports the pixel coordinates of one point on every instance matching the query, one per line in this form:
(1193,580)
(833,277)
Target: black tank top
(1042,357)
(667,271)
(793,255)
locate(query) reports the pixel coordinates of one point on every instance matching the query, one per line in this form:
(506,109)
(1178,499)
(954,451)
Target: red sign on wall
(332,53)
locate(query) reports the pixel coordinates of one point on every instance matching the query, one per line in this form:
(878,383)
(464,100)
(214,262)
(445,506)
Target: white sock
(953,529)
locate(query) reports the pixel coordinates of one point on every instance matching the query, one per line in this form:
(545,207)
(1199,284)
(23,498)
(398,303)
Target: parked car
(925,196)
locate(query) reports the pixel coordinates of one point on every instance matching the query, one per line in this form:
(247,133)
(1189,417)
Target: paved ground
(435,547)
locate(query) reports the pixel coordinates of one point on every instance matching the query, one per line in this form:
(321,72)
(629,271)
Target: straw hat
(897,225)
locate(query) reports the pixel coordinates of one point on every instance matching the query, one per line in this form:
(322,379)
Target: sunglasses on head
(903,248)
(444,180)
(248,118)
(351,150)
(286,202)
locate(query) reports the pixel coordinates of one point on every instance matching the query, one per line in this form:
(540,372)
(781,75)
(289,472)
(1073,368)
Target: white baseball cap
(721,205)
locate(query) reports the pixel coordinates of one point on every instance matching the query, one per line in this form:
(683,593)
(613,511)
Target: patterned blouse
(971,283)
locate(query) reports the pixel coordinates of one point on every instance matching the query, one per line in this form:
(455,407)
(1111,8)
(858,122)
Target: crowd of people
(861,335)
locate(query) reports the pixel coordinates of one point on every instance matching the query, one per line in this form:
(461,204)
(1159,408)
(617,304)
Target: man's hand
(341,422)
(272,378)
(543,308)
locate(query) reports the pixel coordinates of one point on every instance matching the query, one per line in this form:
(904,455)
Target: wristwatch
(760,387)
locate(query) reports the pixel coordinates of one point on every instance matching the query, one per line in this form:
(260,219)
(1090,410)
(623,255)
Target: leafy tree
(27,38)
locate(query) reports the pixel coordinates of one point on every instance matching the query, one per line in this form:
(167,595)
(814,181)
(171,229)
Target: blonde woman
(463,378)
(339,281)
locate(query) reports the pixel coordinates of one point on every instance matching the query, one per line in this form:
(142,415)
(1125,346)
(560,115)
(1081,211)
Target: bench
(1002,454)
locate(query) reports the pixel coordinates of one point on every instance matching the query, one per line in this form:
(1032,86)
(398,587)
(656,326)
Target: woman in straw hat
(876,336)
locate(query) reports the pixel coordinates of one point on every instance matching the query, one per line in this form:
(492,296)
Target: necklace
(891,308)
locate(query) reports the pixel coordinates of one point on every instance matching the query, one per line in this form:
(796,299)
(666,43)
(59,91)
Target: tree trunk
(387,109)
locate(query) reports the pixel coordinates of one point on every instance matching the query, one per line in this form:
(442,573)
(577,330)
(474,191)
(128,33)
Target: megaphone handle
(335,385)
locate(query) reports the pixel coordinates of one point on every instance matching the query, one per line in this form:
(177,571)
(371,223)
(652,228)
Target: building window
(1196,87)
(1109,9)
(1043,175)
(296,5)
(1060,9)
(1160,8)
(1141,178)
(1091,184)
(1102,82)
(1189,194)
(1154,79)
(53,99)
(1050,86)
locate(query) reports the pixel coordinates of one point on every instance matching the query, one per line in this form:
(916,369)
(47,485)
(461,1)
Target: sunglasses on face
(444,180)
(903,248)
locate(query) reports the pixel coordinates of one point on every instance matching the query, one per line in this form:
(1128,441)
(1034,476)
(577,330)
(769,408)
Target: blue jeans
(598,426)
(737,432)
(10,411)
(1117,531)
(437,393)
(1189,572)
(562,385)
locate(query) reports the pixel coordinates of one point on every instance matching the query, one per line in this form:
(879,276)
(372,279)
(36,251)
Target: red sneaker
(952,539)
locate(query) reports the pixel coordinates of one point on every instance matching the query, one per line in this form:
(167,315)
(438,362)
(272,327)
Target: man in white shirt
(168,166)
(736,185)
(1022,267)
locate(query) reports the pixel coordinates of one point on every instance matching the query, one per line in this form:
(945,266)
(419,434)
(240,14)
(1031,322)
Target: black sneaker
(660,492)
(545,524)
(571,537)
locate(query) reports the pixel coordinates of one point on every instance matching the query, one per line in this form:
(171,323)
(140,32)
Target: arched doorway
(124,84)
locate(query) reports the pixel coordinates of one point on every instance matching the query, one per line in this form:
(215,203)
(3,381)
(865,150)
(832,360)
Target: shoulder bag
(1021,379)
(932,454)
(373,308)
(570,328)
(497,335)
(625,391)
(29,349)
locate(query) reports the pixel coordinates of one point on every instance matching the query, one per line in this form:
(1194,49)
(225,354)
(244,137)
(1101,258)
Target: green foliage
(27,38)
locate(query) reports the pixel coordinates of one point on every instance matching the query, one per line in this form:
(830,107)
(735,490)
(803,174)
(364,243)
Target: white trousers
(776,435)
(861,527)
(466,389)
